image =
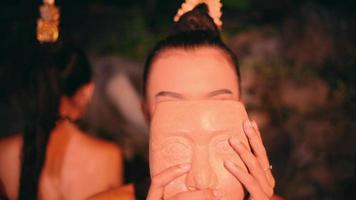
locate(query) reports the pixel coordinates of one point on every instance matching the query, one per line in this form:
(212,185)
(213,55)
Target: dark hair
(52,71)
(194,29)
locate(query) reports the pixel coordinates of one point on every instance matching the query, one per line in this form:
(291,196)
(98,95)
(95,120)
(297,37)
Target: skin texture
(76,166)
(198,132)
(205,73)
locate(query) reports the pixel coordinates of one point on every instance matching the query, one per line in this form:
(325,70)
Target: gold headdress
(213,5)
(48,23)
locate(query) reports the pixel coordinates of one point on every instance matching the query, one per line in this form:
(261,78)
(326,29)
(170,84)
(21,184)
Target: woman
(194,64)
(53,158)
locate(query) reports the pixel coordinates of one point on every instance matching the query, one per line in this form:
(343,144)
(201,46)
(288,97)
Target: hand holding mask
(198,132)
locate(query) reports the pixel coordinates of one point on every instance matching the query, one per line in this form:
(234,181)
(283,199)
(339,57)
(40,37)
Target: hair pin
(48,23)
(213,5)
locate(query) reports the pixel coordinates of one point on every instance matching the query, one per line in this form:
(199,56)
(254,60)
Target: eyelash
(164,99)
(222,97)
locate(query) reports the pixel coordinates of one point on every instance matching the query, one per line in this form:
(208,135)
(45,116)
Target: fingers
(252,164)
(259,149)
(254,125)
(162,179)
(256,143)
(206,194)
(250,183)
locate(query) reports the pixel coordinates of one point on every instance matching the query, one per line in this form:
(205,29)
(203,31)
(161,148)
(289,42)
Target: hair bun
(197,19)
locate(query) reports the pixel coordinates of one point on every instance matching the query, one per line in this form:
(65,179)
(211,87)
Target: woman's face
(199,74)
(178,75)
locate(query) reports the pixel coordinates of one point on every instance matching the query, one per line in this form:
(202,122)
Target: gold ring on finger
(268,168)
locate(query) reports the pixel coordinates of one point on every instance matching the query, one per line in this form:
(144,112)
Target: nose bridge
(202,175)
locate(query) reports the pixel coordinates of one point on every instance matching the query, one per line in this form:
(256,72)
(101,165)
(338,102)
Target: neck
(68,109)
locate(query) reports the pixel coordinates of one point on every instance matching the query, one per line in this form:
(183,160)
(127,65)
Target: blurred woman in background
(53,157)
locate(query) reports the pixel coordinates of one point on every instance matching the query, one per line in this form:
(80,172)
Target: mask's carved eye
(176,151)
(223,147)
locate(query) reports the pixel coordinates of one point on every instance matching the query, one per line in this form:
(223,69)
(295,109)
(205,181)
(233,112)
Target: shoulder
(97,154)
(81,149)
(90,165)
(11,143)
(10,151)
(98,148)
(80,144)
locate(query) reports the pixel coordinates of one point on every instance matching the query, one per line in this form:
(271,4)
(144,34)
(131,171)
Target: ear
(145,112)
(83,95)
(88,89)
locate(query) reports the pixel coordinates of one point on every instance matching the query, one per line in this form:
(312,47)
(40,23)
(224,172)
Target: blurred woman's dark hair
(47,72)
(194,29)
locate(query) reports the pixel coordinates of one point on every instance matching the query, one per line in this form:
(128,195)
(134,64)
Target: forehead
(199,50)
(203,54)
(203,66)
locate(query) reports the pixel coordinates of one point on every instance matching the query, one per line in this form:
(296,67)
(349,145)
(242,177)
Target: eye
(222,97)
(176,151)
(166,98)
(223,147)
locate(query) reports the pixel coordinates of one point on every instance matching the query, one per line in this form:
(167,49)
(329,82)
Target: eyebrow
(169,94)
(218,92)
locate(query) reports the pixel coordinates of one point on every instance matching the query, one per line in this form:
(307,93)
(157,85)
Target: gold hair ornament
(48,23)
(213,5)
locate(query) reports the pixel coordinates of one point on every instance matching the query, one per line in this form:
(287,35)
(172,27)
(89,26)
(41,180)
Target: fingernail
(185,167)
(250,123)
(254,124)
(248,128)
(217,194)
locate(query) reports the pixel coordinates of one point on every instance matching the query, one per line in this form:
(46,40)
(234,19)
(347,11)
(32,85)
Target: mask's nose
(201,175)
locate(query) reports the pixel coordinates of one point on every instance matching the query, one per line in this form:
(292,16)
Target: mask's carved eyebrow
(218,92)
(169,94)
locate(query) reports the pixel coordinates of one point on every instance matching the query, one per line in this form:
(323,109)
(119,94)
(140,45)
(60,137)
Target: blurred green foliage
(237,4)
